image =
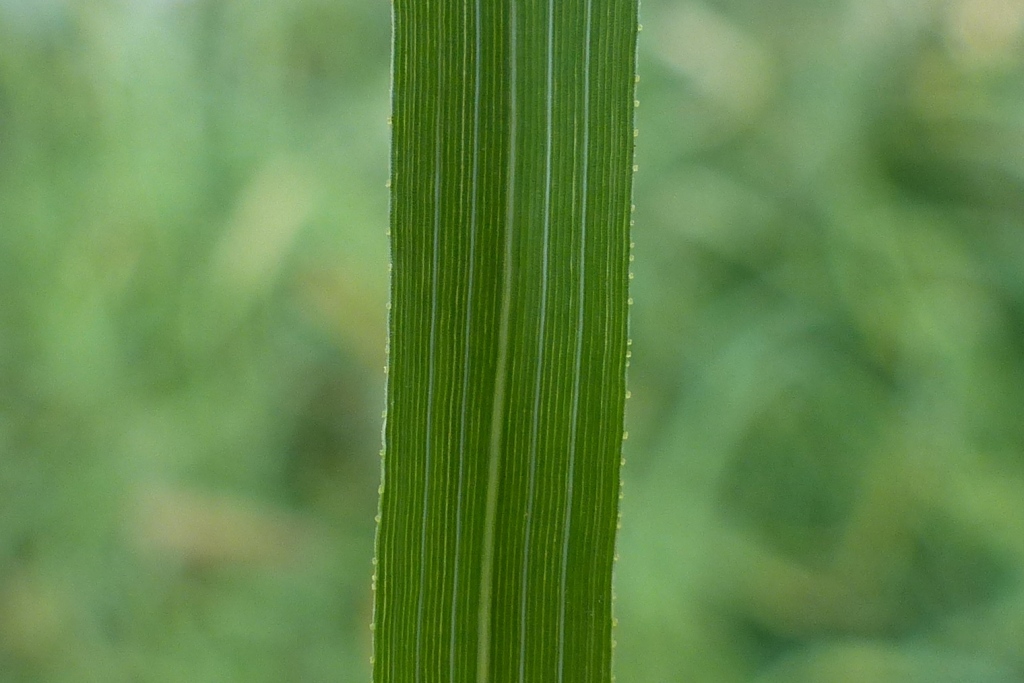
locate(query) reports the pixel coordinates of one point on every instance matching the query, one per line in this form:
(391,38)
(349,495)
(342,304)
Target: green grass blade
(511,170)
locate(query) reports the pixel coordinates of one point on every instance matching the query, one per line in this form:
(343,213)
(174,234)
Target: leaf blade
(508,339)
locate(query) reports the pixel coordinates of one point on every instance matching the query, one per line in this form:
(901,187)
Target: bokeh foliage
(193,265)
(825,462)
(828,354)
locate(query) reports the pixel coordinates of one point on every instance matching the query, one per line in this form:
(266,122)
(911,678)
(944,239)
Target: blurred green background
(825,469)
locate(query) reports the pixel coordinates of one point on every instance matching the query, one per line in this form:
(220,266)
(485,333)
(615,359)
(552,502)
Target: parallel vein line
(577,369)
(431,367)
(475,191)
(501,371)
(541,338)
